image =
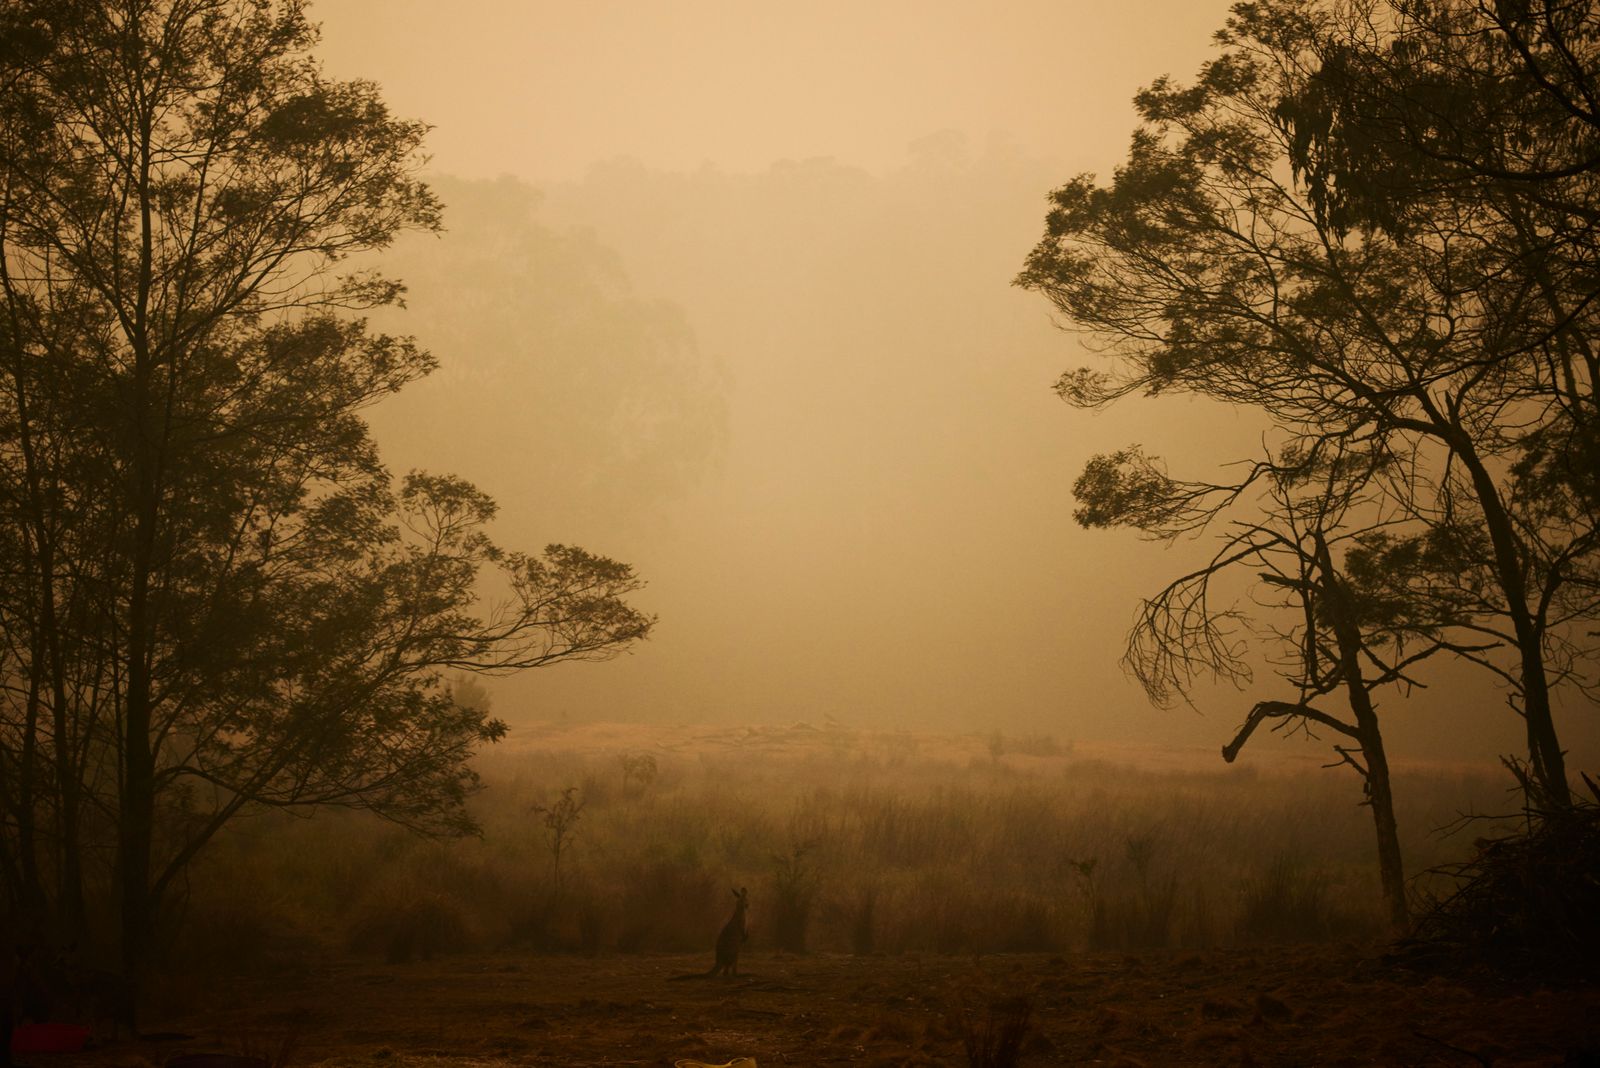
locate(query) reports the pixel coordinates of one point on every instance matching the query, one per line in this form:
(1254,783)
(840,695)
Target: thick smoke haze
(544,90)
(724,293)
(704,531)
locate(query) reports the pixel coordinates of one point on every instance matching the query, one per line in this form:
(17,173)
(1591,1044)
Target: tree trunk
(27,780)
(136,814)
(1379,789)
(1544,746)
(136,831)
(69,870)
(1380,796)
(136,828)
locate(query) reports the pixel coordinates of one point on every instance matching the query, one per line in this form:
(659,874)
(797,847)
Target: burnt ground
(1300,1006)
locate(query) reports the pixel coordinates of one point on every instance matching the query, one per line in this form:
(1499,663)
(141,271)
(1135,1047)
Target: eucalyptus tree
(1410,99)
(1209,266)
(215,595)
(1297,534)
(1492,108)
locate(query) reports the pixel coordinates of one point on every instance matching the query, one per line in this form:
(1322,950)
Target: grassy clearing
(848,842)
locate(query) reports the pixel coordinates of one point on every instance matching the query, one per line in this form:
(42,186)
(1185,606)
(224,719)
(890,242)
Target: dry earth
(1267,1007)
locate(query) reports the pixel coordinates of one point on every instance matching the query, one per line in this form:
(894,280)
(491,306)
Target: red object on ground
(48,1038)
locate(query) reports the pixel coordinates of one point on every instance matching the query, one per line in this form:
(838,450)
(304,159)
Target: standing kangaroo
(732,937)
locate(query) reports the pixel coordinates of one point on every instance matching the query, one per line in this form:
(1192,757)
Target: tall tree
(1213,270)
(217,597)
(1414,107)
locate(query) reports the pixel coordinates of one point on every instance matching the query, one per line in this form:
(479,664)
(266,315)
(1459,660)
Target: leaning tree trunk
(1380,797)
(1379,789)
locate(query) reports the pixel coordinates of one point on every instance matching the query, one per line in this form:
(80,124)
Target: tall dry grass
(848,843)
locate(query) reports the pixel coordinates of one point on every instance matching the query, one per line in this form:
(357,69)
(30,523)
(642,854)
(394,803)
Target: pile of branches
(1526,905)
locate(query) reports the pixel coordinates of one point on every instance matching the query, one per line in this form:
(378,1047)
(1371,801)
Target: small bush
(594,915)
(1285,904)
(850,920)
(560,819)
(992,1027)
(410,928)
(668,906)
(863,922)
(594,921)
(639,772)
(1136,910)
(1143,919)
(1526,904)
(794,892)
(1020,925)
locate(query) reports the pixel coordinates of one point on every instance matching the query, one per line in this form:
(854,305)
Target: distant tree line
(1373,221)
(213,596)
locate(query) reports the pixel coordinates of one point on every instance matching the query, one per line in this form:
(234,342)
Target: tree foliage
(215,595)
(1386,308)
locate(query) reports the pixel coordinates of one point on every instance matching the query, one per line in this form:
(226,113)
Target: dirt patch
(1311,1006)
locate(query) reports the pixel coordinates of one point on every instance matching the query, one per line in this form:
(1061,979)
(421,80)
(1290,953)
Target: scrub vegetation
(850,842)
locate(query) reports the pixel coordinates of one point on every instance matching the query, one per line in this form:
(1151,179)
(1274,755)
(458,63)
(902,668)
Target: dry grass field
(850,842)
(1149,908)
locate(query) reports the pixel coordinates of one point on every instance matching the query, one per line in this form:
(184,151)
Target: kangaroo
(732,937)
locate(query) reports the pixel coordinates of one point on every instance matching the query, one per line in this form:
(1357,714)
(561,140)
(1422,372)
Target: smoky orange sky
(545,90)
(725,293)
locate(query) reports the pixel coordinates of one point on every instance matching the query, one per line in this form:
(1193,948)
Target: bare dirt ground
(1265,1007)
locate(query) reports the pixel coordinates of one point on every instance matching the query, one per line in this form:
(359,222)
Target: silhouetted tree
(560,819)
(1408,100)
(1325,633)
(1212,270)
(1485,116)
(215,596)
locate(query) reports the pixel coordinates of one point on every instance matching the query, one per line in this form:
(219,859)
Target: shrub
(411,927)
(992,1027)
(941,858)
(794,892)
(668,905)
(863,922)
(595,920)
(1287,903)
(1143,919)
(1525,904)
(1020,925)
